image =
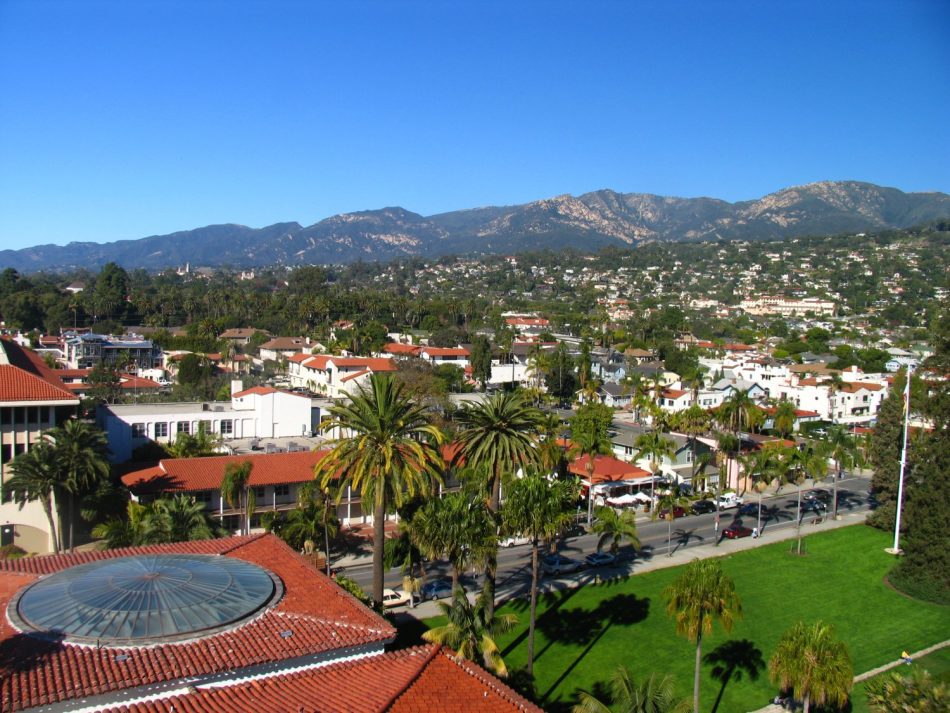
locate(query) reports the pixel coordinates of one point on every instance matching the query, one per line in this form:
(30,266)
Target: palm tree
(702,594)
(918,693)
(669,502)
(590,443)
(814,664)
(313,519)
(654,695)
(783,420)
(844,451)
(693,421)
(655,447)
(539,509)
(138,527)
(35,478)
(498,435)
(809,461)
(237,493)
(80,452)
(392,454)
(471,630)
(183,519)
(613,527)
(456,528)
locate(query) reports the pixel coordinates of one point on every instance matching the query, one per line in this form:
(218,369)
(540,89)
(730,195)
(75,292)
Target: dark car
(813,506)
(749,509)
(818,494)
(701,507)
(677,512)
(734,532)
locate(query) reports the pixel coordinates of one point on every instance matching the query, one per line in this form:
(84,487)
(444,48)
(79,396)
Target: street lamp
(896,549)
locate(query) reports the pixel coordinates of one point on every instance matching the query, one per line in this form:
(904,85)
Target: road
(778,512)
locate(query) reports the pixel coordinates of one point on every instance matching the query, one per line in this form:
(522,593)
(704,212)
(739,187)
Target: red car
(734,532)
(677,513)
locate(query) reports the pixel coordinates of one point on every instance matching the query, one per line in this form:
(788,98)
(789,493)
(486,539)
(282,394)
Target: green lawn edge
(586,632)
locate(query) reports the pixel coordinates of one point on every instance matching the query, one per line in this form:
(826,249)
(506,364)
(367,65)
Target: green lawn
(584,633)
(937,663)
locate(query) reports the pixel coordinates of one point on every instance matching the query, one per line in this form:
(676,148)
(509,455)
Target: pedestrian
(755,532)
(907,659)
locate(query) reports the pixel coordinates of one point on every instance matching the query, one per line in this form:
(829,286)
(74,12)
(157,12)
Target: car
(392,598)
(813,506)
(559,564)
(727,501)
(600,559)
(514,541)
(701,507)
(749,509)
(734,532)
(817,494)
(436,589)
(677,512)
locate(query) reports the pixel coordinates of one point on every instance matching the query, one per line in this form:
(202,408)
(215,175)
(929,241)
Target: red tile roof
(190,474)
(673,393)
(322,617)
(25,377)
(425,678)
(396,348)
(607,469)
(527,322)
(445,351)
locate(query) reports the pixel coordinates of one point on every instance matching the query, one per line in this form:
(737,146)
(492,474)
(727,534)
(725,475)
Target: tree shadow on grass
(589,626)
(732,660)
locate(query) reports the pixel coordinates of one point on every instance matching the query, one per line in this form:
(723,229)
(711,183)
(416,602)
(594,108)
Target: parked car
(817,494)
(728,501)
(703,506)
(749,509)
(436,589)
(392,598)
(559,564)
(677,512)
(600,559)
(734,532)
(514,541)
(813,506)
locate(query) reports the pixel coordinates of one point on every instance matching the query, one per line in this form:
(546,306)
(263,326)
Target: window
(203,496)
(227,427)
(259,492)
(138,430)
(183,427)
(281,491)
(161,430)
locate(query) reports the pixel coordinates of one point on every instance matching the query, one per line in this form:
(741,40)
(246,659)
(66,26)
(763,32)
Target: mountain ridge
(589,221)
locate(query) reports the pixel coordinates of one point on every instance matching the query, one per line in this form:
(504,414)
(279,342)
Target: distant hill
(585,222)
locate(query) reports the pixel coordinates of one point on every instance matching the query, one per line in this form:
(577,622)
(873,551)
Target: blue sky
(124,119)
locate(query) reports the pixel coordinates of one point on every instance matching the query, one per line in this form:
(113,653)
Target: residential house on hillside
(679,468)
(85,351)
(284,348)
(33,399)
(334,376)
(241,337)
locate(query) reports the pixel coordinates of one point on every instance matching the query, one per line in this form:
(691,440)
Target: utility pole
(896,549)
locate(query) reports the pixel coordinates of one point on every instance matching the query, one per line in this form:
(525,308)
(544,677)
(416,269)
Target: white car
(514,541)
(392,598)
(727,501)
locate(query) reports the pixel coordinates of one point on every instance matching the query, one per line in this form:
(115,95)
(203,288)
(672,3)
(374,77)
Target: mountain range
(586,222)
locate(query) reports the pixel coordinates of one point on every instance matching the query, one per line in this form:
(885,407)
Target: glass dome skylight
(144,599)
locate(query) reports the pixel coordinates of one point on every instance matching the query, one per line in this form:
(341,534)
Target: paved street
(688,533)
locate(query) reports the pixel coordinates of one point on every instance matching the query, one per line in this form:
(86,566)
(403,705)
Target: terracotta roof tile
(25,377)
(607,469)
(322,616)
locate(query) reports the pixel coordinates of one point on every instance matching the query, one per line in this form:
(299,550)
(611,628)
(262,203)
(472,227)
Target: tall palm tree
(313,519)
(810,461)
(614,527)
(590,443)
(471,630)
(844,451)
(670,501)
(80,452)
(538,509)
(656,694)
(701,595)
(498,436)
(693,421)
(655,447)
(237,492)
(456,528)
(814,664)
(35,478)
(391,454)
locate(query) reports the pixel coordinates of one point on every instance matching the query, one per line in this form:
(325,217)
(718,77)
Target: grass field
(937,663)
(585,633)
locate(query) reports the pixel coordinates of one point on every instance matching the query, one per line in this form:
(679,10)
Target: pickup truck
(727,501)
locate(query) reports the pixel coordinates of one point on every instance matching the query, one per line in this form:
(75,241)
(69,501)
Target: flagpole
(900,482)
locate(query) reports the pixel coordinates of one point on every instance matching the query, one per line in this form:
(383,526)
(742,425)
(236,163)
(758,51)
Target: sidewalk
(518,584)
